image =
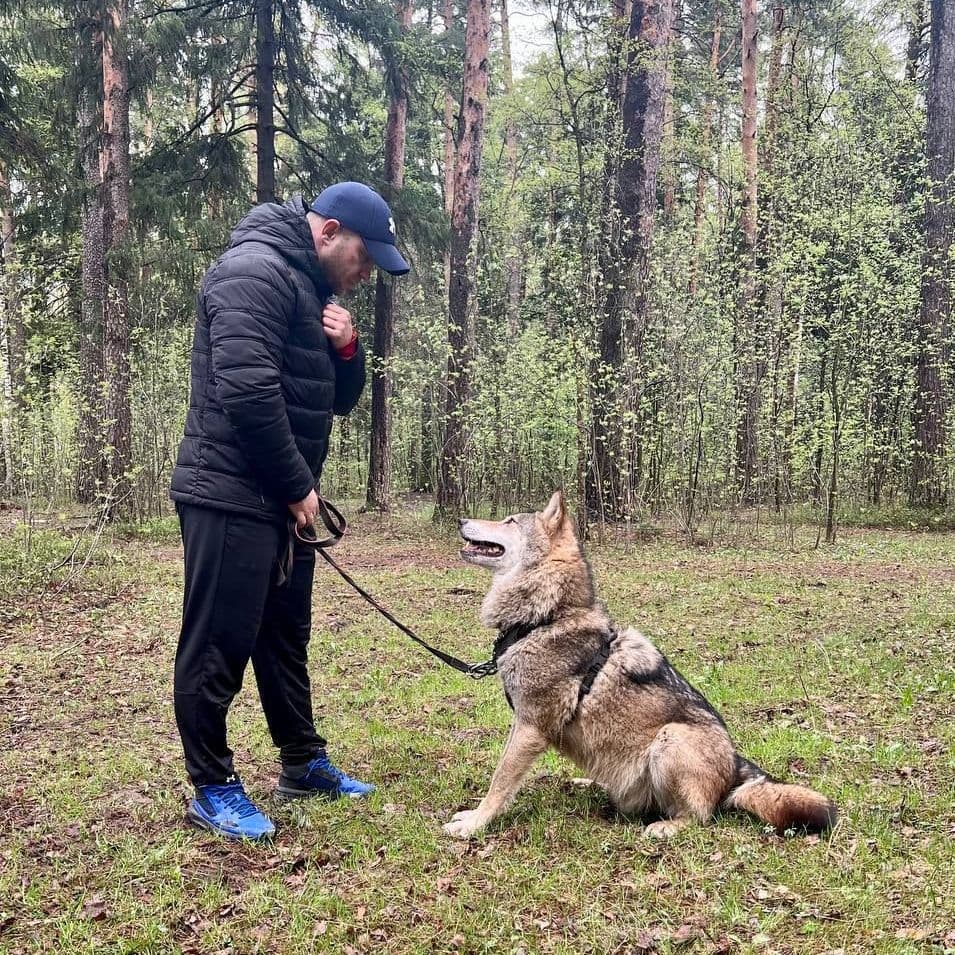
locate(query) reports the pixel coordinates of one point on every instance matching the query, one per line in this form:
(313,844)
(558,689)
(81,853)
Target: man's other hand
(337,324)
(304,511)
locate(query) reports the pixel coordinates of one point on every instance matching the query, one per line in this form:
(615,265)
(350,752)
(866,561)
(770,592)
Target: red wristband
(349,350)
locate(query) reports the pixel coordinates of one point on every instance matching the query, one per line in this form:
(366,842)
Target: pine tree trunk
(91,439)
(378,494)
(746,344)
(116,181)
(264,101)
(12,337)
(447,15)
(668,149)
(929,479)
(915,46)
(630,207)
(512,256)
(462,302)
(701,175)
(771,324)
(13,316)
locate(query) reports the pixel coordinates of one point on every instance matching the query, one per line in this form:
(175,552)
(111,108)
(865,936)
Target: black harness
(597,663)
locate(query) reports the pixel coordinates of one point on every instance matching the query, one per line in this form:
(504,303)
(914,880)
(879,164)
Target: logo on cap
(391,225)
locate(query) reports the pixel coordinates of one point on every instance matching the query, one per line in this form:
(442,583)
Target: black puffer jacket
(265,379)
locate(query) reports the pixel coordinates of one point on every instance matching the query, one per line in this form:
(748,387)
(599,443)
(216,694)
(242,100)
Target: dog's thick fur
(641,731)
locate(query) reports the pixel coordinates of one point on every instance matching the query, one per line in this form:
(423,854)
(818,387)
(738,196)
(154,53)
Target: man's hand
(337,324)
(304,511)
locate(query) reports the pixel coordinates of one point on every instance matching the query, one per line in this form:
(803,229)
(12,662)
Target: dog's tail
(782,805)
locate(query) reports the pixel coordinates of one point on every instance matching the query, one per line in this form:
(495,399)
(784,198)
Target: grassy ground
(833,666)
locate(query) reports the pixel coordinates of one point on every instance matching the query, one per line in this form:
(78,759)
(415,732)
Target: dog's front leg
(523,746)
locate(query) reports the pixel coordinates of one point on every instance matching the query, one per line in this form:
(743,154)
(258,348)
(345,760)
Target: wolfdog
(607,698)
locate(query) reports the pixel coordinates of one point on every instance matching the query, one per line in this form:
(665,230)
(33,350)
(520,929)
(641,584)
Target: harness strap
(596,665)
(513,635)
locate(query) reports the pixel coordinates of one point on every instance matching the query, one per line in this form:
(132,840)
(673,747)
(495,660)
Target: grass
(832,666)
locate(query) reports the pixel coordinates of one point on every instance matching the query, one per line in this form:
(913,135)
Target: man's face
(342,256)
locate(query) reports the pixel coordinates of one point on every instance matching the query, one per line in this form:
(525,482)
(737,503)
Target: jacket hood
(285,228)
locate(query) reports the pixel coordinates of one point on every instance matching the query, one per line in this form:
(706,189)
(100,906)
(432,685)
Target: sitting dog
(606,698)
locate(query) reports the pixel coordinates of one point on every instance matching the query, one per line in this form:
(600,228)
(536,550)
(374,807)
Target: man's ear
(330,228)
(553,515)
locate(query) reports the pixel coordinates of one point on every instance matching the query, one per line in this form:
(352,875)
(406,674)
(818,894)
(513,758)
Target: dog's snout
(462,521)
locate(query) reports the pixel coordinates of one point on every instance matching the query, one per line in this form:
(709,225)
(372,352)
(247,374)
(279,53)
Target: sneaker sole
(286,794)
(197,822)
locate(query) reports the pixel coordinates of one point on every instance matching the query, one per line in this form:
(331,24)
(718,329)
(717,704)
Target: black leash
(336,525)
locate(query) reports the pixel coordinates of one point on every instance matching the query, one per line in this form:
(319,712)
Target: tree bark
(668,149)
(701,173)
(929,480)
(12,338)
(378,496)
(462,301)
(512,257)
(916,44)
(630,207)
(746,343)
(91,439)
(116,181)
(13,315)
(771,320)
(447,14)
(264,101)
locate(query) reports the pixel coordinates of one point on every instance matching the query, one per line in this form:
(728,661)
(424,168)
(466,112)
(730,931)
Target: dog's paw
(664,828)
(463,825)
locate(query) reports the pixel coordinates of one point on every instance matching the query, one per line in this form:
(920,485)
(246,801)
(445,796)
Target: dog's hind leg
(691,768)
(523,746)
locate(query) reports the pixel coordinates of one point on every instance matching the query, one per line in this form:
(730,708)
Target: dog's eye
(509,520)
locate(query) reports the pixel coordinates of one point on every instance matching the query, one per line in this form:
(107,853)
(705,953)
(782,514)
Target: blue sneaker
(322,778)
(227,811)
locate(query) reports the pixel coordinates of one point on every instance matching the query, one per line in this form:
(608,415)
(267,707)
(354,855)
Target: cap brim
(386,257)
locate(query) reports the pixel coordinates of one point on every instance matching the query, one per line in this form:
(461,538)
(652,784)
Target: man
(274,358)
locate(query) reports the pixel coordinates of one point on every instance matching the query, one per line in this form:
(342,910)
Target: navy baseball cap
(362,210)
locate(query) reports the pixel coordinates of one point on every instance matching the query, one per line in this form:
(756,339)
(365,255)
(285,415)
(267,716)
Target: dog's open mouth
(482,549)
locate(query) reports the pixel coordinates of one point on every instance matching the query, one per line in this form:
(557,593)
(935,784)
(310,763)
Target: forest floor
(833,666)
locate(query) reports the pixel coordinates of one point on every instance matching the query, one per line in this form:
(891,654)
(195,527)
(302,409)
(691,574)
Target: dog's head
(518,541)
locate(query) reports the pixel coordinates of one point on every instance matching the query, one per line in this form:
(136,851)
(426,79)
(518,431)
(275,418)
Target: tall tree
(629,210)
(116,181)
(747,344)
(705,132)
(512,257)
(447,167)
(264,101)
(12,337)
(91,473)
(12,312)
(462,298)
(929,481)
(378,494)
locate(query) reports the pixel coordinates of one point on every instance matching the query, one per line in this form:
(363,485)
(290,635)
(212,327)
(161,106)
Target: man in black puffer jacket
(274,358)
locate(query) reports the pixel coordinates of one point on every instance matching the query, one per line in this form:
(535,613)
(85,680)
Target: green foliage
(838,257)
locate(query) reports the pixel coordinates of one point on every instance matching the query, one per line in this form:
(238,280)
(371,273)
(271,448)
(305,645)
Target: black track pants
(233,611)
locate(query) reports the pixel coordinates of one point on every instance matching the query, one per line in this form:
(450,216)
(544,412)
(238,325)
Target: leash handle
(334,522)
(336,525)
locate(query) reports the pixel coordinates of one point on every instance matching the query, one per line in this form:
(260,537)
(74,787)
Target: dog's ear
(553,514)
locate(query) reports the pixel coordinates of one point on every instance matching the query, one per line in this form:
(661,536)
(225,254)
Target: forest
(673,256)
(689,261)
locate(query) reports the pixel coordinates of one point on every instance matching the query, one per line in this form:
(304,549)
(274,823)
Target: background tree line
(685,254)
